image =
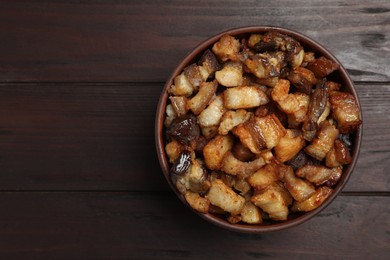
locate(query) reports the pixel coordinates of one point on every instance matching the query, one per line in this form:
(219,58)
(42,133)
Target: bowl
(340,75)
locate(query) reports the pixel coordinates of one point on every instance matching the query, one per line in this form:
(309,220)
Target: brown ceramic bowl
(340,76)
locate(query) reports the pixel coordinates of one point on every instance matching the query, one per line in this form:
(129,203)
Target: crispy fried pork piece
(317,105)
(303,79)
(245,53)
(265,65)
(198,177)
(211,116)
(342,152)
(181,183)
(264,177)
(322,144)
(203,97)
(274,200)
(334,178)
(170,115)
(299,189)
(253,39)
(197,202)
(231,165)
(317,174)
(271,129)
(295,53)
(345,110)
(224,197)
(320,195)
(292,104)
(259,133)
(209,132)
(215,150)
(330,159)
(180,171)
(244,97)
(262,43)
(241,185)
(181,87)
(242,153)
(262,46)
(324,114)
(289,145)
(208,63)
(230,75)
(227,48)
(193,75)
(267,156)
(338,155)
(251,214)
(300,115)
(322,67)
(184,129)
(307,58)
(277,41)
(179,104)
(173,150)
(182,163)
(280,93)
(231,119)
(333,86)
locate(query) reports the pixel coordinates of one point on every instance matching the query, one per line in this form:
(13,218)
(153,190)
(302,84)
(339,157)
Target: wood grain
(374,158)
(142,41)
(72,137)
(79,85)
(156,225)
(101,137)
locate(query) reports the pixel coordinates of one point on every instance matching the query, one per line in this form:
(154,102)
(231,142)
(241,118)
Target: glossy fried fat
(258,128)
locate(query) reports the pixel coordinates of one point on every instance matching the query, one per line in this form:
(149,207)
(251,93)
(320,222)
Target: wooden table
(79,84)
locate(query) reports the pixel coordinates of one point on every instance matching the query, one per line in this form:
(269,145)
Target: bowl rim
(308,43)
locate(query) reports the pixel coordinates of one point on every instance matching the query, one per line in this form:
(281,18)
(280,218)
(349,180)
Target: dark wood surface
(79,85)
